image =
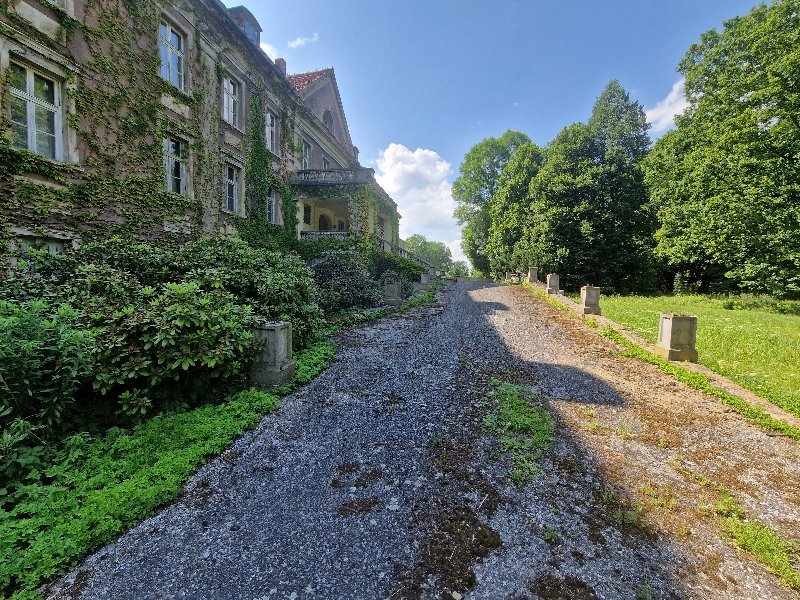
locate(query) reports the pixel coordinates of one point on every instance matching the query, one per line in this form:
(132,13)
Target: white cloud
(270,50)
(302,41)
(419,182)
(662,115)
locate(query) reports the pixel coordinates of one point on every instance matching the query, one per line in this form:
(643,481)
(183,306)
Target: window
(306,163)
(171,47)
(327,119)
(230,101)
(35,112)
(233,175)
(272,132)
(49,245)
(326,164)
(272,205)
(175,159)
(307,214)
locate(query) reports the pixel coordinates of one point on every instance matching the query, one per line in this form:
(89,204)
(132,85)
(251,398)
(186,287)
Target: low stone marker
(677,336)
(425,279)
(391,293)
(552,283)
(274,365)
(590,300)
(533,275)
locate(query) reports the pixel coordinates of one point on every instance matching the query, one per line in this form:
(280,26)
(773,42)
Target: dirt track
(377,479)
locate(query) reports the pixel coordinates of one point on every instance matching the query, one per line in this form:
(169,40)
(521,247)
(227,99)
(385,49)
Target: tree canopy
(476,184)
(726,183)
(436,253)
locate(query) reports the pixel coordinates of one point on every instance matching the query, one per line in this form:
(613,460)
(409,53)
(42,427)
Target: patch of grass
(756,346)
(698,381)
(523,424)
(98,488)
(763,542)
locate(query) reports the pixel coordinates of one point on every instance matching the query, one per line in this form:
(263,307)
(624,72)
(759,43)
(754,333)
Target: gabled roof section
(311,86)
(301,81)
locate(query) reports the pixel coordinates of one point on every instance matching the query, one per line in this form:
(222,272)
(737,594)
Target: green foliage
(761,541)
(44,358)
(477,182)
(96,488)
(754,414)
(407,269)
(587,217)
(756,347)
(262,179)
(509,208)
(459,269)
(435,253)
(725,183)
(524,425)
(344,283)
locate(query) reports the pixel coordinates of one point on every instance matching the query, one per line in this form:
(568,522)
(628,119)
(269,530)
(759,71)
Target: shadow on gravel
(570,534)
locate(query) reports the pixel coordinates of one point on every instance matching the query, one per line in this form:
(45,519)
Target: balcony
(334,177)
(313,236)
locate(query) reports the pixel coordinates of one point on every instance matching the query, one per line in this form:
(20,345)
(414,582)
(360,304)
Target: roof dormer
(249,24)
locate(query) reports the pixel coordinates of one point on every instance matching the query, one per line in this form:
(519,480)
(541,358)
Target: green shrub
(406,268)
(44,359)
(344,283)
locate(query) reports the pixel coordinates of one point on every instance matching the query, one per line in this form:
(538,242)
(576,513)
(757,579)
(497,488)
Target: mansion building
(156,118)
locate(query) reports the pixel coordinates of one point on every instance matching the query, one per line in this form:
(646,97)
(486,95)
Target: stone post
(273,365)
(590,300)
(391,293)
(425,279)
(677,336)
(533,275)
(552,283)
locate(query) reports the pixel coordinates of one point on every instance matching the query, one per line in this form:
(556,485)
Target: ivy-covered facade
(166,119)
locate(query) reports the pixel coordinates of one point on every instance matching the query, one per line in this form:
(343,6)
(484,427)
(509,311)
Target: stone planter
(677,337)
(391,293)
(553,283)
(273,365)
(590,300)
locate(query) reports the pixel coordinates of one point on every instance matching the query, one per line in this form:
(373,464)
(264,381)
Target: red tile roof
(301,81)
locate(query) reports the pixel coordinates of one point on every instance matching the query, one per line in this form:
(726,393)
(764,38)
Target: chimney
(281,64)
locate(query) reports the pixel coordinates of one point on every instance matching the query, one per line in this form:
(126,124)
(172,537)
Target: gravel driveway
(377,480)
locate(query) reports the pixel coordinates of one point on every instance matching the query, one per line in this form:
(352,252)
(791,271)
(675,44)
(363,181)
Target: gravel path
(377,481)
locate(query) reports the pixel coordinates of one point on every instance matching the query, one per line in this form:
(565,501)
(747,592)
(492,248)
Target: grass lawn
(759,350)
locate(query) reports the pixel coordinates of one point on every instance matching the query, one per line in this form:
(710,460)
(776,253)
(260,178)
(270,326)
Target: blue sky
(422,81)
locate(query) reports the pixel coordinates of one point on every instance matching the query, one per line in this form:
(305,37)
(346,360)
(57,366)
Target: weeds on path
(523,424)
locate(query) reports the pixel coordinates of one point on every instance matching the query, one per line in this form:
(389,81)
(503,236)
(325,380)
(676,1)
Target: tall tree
(436,253)
(477,182)
(509,207)
(588,219)
(731,202)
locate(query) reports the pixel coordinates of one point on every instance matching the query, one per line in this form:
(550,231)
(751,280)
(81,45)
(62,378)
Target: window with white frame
(35,112)
(230,100)
(272,205)
(176,152)
(233,178)
(271,125)
(306,157)
(171,47)
(49,245)
(326,164)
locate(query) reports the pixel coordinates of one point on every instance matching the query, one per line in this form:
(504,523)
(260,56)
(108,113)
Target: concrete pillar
(552,283)
(391,293)
(425,279)
(533,275)
(590,300)
(274,365)
(677,336)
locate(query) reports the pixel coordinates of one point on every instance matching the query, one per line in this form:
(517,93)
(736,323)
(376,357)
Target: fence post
(677,338)
(273,365)
(590,300)
(552,283)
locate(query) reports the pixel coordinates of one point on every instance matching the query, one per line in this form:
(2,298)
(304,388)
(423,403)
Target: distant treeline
(712,205)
